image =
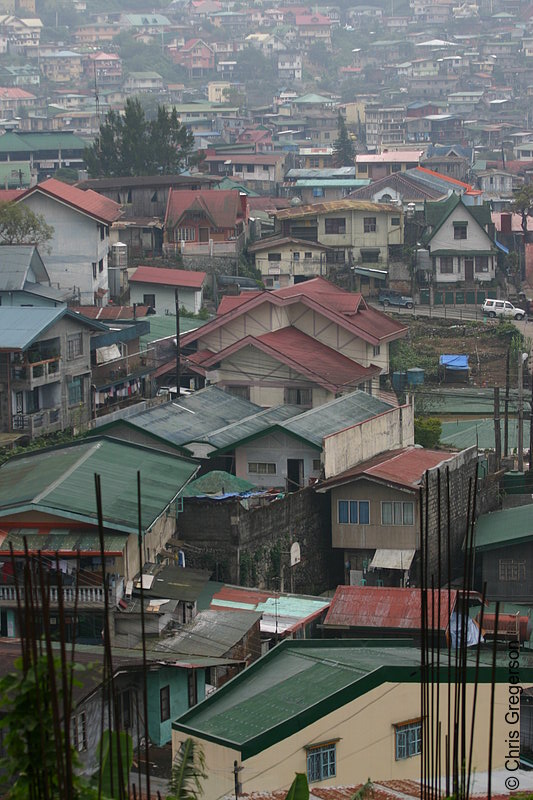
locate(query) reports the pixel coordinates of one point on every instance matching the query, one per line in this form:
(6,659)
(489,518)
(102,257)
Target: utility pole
(178,347)
(521,358)
(497,427)
(531,426)
(506,408)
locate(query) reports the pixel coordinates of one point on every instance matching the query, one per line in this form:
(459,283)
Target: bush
(427,431)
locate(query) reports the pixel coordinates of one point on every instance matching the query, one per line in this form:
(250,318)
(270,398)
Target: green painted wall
(161,732)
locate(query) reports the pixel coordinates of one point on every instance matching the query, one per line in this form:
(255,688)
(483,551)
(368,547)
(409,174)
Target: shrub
(427,431)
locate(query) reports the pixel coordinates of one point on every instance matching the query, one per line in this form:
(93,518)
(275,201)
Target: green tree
(343,148)
(523,205)
(20,225)
(188,772)
(428,431)
(132,145)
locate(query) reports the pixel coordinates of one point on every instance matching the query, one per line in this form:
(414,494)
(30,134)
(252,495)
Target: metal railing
(38,421)
(37,371)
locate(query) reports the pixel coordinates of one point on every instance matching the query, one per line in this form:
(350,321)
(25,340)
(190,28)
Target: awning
(501,247)
(392,559)
(455,362)
(380,274)
(109,353)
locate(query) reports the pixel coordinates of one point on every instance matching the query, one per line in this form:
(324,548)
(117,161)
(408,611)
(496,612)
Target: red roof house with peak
(206,220)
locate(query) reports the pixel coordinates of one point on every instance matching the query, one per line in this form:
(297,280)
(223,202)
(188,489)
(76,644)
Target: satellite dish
(295,554)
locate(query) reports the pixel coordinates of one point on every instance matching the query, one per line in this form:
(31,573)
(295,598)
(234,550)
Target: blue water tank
(399,381)
(415,376)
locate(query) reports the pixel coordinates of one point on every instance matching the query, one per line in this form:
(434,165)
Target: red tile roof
(185,278)
(8,195)
(88,202)
(231,301)
(13,93)
(404,467)
(384,607)
(222,206)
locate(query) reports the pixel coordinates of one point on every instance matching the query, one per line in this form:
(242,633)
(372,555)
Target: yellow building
(341,710)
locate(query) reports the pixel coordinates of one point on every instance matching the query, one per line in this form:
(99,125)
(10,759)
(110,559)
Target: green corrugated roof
(251,426)
(20,143)
(61,540)
(217,482)
(480,432)
(300,682)
(468,401)
(61,480)
(436,214)
(510,526)
(162,326)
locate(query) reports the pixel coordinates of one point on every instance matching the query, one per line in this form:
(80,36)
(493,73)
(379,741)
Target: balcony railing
(36,373)
(126,367)
(210,248)
(86,595)
(38,422)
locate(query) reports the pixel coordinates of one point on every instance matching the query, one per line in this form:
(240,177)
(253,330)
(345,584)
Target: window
(296,256)
(335,225)
(164,703)
(261,468)
(239,391)
(369,224)
(459,230)
(397,513)
(316,465)
(395,221)
(335,257)
(75,391)
(446,265)
(362,167)
(511,570)
(185,234)
(249,168)
(94,270)
(369,256)
(353,512)
(299,397)
(192,687)
(408,739)
(153,199)
(274,256)
(482,263)
(101,265)
(74,346)
(149,300)
(321,762)
(269,283)
(79,731)
(376,350)
(101,228)
(318,191)
(306,255)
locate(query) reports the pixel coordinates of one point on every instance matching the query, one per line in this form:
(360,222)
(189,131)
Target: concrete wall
(165,302)
(160,732)
(351,446)
(366,742)
(519,590)
(276,448)
(249,546)
(477,239)
(74,247)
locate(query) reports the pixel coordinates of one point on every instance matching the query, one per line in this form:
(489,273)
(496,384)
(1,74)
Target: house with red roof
(196,56)
(304,345)
(12,99)
(209,222)
(376,510)
(156,288)
(79,247)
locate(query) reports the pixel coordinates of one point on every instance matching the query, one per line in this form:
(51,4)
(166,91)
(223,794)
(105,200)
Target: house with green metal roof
(460,240)
(340,711)
(503,544)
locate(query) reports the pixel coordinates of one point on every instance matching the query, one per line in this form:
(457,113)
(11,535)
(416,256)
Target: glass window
(239,391)
(306,255)
(446,265)
(185,234)
(274,256)
(386,513)
(408,514)
(75,391)
(79,731)
(362,167)
(343,511)
(511,570)
(316,465)
(296,256)
(101,265)
(364,512)
(354,516)
(261,468)
(369,224)
(74,346)
(395,221)
(164,703)
(335,225)
(459,231)
(397,513)
(408,740)
(482,263)
(376,350)
(318,191)
(321,762)
(299,397)
(149,300)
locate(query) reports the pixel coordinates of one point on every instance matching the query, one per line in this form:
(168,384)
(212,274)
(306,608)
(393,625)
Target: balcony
(134,365)
(231,247)
(30,374)
(38,423)
(86,595)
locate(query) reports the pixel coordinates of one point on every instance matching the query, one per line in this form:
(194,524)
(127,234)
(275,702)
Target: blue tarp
(454,362)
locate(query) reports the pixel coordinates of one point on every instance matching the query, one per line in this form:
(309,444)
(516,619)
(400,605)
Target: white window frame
(398,512)
(262,468)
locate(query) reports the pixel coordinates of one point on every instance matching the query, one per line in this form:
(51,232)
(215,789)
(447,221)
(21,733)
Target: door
(204,234)
(295,474)
(469,269)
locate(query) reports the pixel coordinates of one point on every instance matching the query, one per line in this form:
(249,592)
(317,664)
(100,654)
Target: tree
(20,225)
(428,431)
(523,205)
(188,771)
(131,145)
(343,148)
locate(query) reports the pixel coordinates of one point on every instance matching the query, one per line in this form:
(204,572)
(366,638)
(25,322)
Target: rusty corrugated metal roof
(315,209)
(390,608)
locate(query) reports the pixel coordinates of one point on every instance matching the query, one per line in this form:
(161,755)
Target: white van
(502,308)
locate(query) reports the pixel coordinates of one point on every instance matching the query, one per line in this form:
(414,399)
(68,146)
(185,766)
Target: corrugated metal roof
(15,263)
(316,209)
(480,432)
(378,607)
(501,528)
(61,480)
(217,482)
(177,583)
(252,425)
(211,633)
(62,540)
(185,278)
(21,326)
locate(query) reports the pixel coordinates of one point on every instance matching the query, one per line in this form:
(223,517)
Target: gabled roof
(332,206)
(404,183)
(404,467)
(303,354)
(350,311)
(16,261)
(184,278)
(437,213)
(504,528)
(275,241)
(60,481)
(87,202)
(21,326)
(377,607)
(222,207)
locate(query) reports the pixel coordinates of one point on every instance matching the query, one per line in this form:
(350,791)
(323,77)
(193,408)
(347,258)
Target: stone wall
(250,546)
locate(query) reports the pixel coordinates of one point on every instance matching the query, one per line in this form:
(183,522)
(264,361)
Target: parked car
(502,308)
(388,297)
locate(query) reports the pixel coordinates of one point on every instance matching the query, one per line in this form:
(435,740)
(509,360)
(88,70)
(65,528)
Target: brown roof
(315,209)
(111,312)
(88,202)
(185,278)
(222,207)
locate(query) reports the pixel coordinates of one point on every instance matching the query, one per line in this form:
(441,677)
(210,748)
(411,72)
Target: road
(445,312)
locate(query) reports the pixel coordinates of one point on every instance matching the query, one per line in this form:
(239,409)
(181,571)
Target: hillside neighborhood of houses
(266,399)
